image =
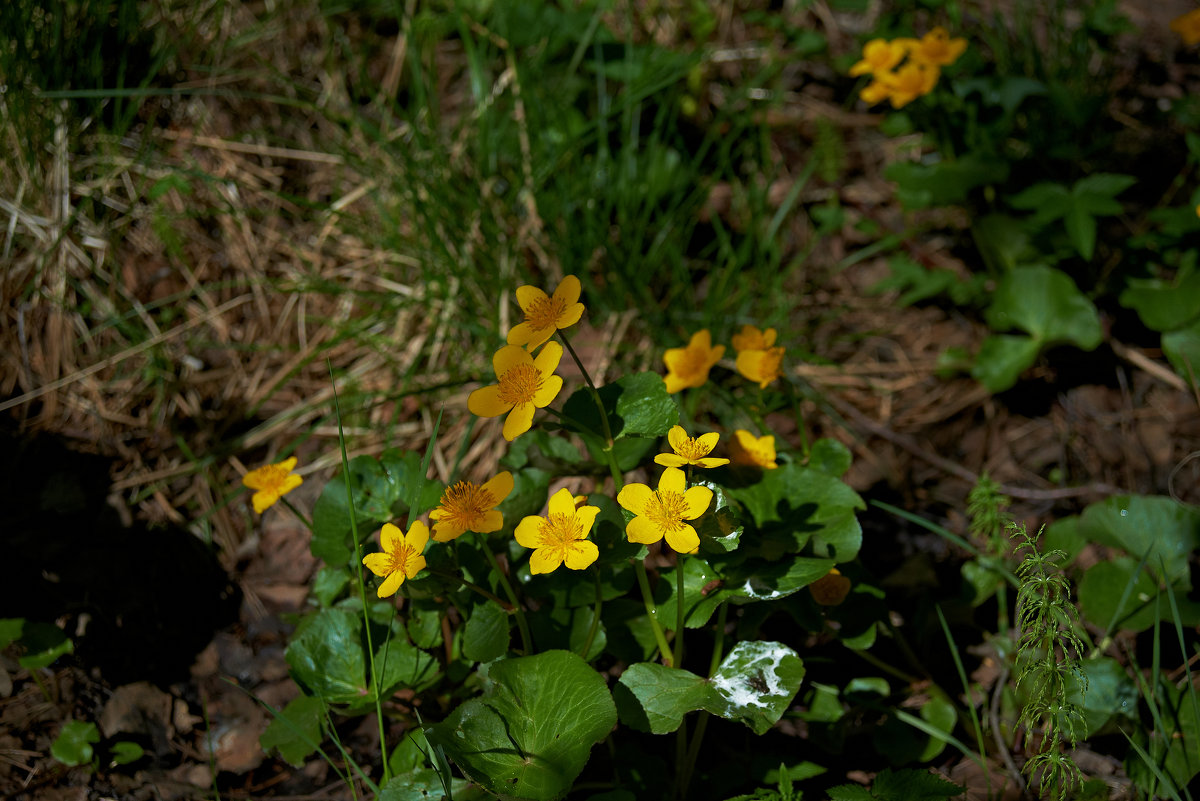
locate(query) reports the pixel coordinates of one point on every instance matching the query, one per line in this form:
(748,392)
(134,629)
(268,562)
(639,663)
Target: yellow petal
(769,337)
(548,358)
(570,315)
(485,402)
(391,584)
(288,464)
(676,438)
(290,483)
(684,540)
(264,500)
(445,531)
(418,536)
(544,560)
(641,530)
(529,295)
(672,480)
(522,334)
(581,554)
(676,382)
(634,497)
(390,537)
(508,357)
(586,517)
(529,532)
(499,486)
(568,290)
(711,461)
(548,391)
(414,566)
(562,502)
(670,460)
(708,441)
(518,421)
(697,500)
(492,520)
(377,563)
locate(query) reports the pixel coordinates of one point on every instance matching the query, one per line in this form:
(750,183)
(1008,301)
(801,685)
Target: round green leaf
(296,730)
(486,635)
(530,735)
(1156,527)
(654,698)
(757,681)
(73,746)
(326,656)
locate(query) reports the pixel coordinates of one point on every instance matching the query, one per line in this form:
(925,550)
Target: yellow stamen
(519,384)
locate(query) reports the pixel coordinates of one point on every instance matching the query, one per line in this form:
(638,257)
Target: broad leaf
(486,635)
(326,656)
(1002,358)
(654,698)
(1157,527)
(757,681)
(73,746)
(296,732)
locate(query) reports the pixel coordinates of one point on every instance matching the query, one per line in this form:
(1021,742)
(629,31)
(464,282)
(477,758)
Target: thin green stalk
(587,645)
(639,567)
(679,611)
(362,584)
(522,624)
(307,523)
(614,468)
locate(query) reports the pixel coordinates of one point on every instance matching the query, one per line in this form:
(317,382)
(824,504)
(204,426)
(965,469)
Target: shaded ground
(239,362)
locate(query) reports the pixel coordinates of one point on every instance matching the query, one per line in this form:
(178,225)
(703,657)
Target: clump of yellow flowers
(904,69)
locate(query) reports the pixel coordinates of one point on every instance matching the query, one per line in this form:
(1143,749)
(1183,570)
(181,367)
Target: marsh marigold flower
(937,49)
(878,56)
(1188,27)
(910,82)
(689,366)
(664,512)
(561,536)
(689,450)
(751,451)
(750,338)
(401,556)
(761,366)
(272,482)
(471,507)
(830,589)
(525,383)
(545,314)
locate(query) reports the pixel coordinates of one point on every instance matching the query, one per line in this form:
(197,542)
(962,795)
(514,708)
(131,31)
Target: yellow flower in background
(689,450)
(761,366)
(830,589)
(471,507)
(524,383)
(401,556)
(272,482)
(910,82)
(750,338)
(561,536)
(688,367)
(937,49)
(664,512)
(751,451)
(875,92)
(878,55)
(1188,27)
(545,314)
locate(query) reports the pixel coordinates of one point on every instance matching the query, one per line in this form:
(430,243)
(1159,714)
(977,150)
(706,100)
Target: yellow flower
(560,536)
(878,56)
(662,512)
(546,314)
(747,449)
(471,507)
(937,49)
(401,556)
(750,338)
(762,366)
(525,383)
(830,589)
(910,82)
(875,92)
(272,482)
(688,367)
(690,450)
(1188,27)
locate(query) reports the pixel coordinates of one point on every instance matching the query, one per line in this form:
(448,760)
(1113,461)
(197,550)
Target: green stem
(522,624)
(639,567)
(307,523)
(587,645)
(693,751)
(613,467)
(679,612)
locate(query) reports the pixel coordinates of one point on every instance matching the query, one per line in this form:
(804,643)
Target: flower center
(465,504)
(544,312)
(666,510)
(273,476)
(772,360)
(519,384)
(691,449)
(559,531)
(401,555)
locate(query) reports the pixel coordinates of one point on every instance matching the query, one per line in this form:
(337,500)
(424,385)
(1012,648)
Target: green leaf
(1103,185)
(424,622)
(421,784)
(1103,586)
(296,732)
(486,635)
(1165,305)
(945,183)
(125,753)
(902,742)
(803,503)
(699,606)
(44,643)
(530,734)
(326,656)
(73,746)
(1157,527)
(637,405)
(1046,304)
(1172,750)
(913,784)
(1081,230)
(759,580)
(1002,359)
(10,631)
(757,681)
(1048,201)
(1110,692)
(654,698)
(403,665)
(329,584)
(1003,241)
(1182,348)
(830,457)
